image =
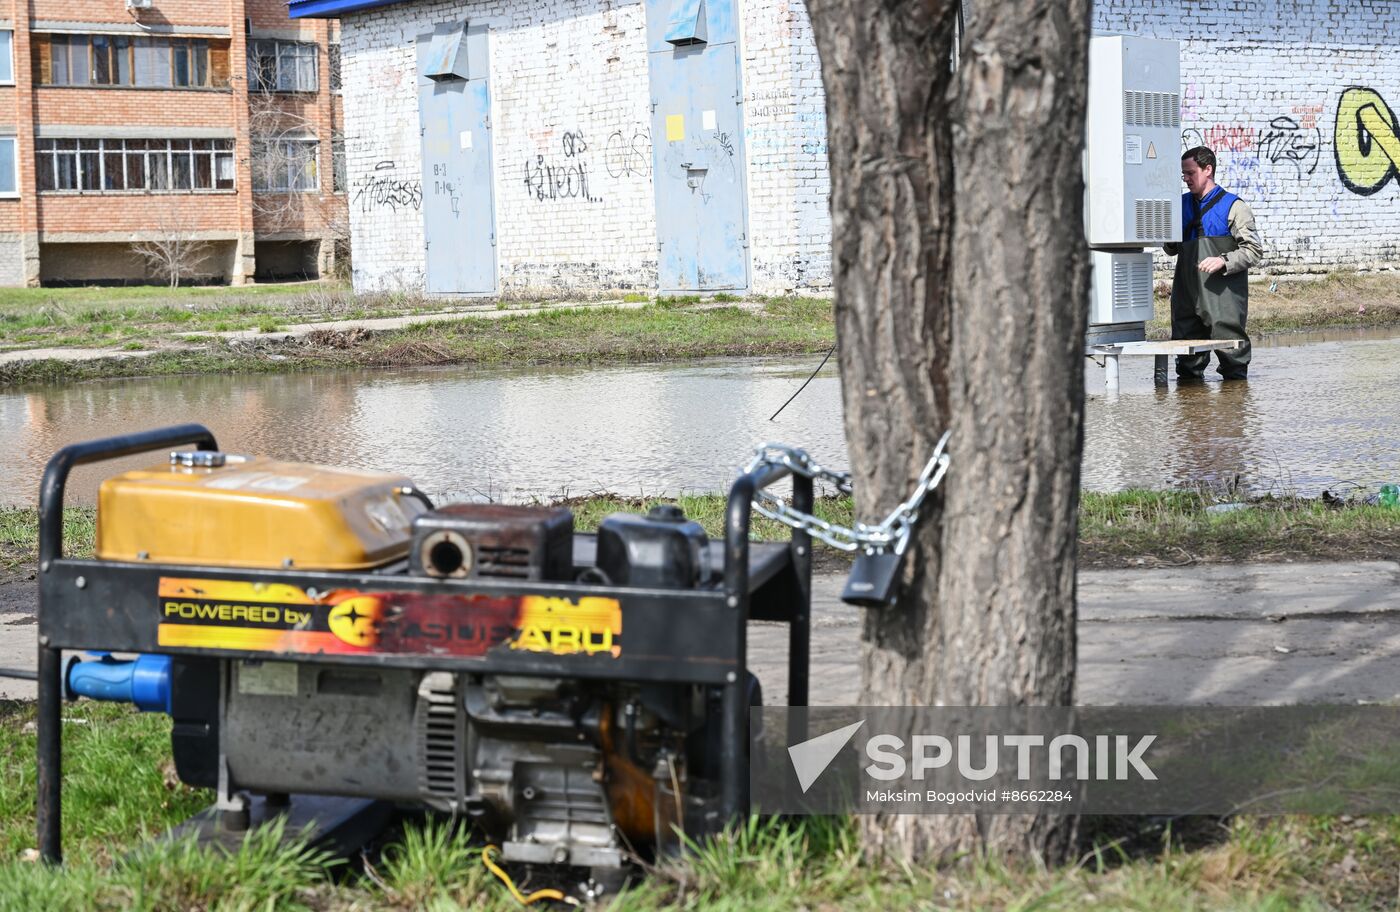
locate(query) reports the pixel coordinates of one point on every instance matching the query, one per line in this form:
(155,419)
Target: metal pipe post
(48,805)
(734,739)
(800,628)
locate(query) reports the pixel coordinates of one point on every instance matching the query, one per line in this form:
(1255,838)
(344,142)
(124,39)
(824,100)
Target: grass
(157,316)
(1135,528)
(663,331)
(118,796)
(119,782)
(19,536)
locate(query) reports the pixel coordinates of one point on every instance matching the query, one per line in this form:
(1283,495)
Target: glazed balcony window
(131,60)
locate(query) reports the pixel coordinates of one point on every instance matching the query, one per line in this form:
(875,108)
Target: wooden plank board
(1165,347)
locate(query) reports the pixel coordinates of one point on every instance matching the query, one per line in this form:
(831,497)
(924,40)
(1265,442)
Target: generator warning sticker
(275,617)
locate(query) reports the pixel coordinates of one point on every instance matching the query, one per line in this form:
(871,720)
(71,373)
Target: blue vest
(1216,222)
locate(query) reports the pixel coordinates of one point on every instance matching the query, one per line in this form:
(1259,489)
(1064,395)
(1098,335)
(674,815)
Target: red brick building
(207,131)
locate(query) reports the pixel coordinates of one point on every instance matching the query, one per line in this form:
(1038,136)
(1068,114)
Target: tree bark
(960,272)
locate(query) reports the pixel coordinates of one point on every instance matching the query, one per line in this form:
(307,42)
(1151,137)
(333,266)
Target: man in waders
(1210,292)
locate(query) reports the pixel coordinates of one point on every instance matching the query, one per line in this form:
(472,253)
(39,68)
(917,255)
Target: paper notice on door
(1132,150)
(466,139)
(707,120)
(675,127)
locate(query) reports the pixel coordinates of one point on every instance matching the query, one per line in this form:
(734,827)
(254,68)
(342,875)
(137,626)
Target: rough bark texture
(960,272)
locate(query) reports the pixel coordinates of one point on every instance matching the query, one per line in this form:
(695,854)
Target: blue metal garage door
(697,131)
(454,107)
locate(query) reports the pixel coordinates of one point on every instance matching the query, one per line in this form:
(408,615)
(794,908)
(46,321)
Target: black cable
(804,384)
(411,491)
(20,673)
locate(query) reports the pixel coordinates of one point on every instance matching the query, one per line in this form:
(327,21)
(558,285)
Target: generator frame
(694,636)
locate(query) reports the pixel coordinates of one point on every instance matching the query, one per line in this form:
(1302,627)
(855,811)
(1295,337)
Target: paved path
(1222,634)
(1229,634)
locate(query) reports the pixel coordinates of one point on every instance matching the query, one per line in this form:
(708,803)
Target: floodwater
(1320,410)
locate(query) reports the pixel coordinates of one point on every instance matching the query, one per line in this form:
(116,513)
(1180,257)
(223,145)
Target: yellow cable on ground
(510,884)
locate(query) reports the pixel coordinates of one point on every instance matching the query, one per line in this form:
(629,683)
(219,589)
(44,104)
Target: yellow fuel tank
(247,511)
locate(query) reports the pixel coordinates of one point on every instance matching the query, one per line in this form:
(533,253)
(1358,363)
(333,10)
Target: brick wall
(58,219)
(1262,86)
(569,87)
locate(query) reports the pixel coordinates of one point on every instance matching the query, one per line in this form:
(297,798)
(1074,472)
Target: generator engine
(559,768)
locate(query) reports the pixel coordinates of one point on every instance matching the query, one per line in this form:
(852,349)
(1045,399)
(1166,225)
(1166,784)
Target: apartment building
(138,136)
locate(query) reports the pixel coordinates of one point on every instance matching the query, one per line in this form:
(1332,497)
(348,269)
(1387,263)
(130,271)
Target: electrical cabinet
(1133,158)
(1121,291)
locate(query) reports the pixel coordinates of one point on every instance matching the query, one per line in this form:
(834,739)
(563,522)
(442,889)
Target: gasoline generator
(318,631)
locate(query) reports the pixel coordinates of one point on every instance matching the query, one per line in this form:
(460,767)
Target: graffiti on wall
(628,153)
(1287,141)
(1367,141)
(565,178)
(380,189)
(625,154)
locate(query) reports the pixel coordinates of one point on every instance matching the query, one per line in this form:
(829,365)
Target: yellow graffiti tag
(1367,141)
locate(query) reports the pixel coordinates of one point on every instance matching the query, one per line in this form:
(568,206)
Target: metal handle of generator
(49,801)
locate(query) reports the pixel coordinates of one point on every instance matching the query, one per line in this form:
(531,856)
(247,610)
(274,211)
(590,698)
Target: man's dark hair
(1203,157)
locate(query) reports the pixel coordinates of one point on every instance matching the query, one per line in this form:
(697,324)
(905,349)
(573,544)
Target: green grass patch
(1177,527)
(19,535)
(661,332)
(119,781)
(1284,863)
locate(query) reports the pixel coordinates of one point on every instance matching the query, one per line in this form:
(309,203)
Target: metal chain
(891,534)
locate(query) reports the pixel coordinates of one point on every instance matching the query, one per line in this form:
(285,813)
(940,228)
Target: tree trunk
(960,272)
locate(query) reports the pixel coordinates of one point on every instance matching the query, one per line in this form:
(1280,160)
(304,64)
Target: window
(285,165)
(7,59)
(143,62)
(9,183)
(99,165)
(281,66)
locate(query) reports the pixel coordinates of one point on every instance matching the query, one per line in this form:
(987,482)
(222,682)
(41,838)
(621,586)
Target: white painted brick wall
(1261,84)
(575,71)
(785,139)
(571,71)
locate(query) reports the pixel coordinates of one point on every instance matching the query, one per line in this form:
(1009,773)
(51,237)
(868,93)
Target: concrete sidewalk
(1240,634)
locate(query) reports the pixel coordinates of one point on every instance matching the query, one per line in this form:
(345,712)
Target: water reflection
(499,434)
(1318,410)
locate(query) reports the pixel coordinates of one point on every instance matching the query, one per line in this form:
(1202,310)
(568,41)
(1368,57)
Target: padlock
(874,579)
